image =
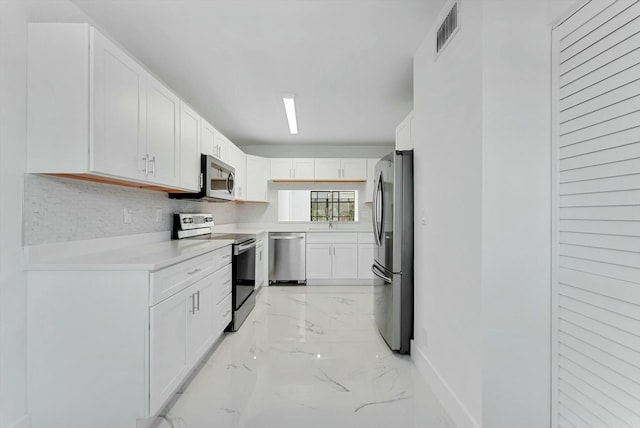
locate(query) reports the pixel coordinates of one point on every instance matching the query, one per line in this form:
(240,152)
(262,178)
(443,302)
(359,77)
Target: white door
(280,169)
(222,147)
(201,321)
(207,139)
(168,347)
(328,169)
(303,169)
(189,149)
(163,145)
(117,143)
(257,171)
(345,261)
(319,257)
(354,169)
(596,222)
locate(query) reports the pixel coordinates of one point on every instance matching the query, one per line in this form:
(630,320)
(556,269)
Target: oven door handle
(239,249)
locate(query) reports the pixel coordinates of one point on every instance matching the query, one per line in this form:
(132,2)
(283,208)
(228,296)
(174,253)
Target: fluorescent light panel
(290,109)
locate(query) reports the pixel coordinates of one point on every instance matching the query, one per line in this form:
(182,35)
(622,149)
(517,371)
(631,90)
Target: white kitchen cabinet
(257,177)
(341,169)
(207,139)
(404,133)
(238,160)
(261,260)
(371,166)
(332,256)
(94,113)
(366,251)
(319,261)
(222,146)
(124,337)
(189,148)
(291,169)
(162,142)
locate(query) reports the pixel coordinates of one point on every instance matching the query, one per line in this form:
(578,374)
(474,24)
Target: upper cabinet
(341,169)
(238,160)
(291,169)
(222,147)
(207,138)
(257,176)
(404,133)
(190,125)
(371,166)
(94,113)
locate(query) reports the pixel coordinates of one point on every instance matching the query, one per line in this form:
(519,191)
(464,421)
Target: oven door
(244,272)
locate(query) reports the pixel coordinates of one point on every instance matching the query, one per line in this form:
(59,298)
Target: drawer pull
(193,272)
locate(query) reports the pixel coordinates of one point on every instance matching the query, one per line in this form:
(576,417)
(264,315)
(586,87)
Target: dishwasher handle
(286,237)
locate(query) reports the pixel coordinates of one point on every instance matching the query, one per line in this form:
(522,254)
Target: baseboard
(449,400)
(23,422)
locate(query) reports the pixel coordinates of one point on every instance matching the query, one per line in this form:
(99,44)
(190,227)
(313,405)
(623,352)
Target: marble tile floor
(307,356)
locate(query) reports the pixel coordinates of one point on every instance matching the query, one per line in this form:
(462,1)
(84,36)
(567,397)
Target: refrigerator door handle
(380,274)
(378,202)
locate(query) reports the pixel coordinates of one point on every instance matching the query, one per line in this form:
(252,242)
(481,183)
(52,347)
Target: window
(333,206)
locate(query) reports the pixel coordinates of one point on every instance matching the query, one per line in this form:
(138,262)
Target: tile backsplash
(60,210)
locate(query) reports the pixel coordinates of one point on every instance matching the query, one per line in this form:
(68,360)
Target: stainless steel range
(243,296)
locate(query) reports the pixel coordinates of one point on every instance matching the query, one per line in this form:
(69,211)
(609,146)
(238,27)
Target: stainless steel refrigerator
(392,207)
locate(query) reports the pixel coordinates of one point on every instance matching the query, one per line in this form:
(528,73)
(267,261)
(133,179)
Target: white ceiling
(348,62)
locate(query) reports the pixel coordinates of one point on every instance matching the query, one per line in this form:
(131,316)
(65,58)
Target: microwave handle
(230,180)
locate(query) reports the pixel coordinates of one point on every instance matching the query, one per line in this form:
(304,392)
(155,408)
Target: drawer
(366,238)
(222,283)
(332,238)
(166,282)
(222,257)
(223,313)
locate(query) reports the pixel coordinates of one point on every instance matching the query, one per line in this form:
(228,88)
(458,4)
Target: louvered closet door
(596,263)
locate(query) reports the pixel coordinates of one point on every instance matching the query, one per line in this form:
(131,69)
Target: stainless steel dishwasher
(287,257)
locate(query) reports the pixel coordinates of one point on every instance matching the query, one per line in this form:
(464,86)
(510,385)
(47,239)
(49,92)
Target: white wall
(448,196)
(482,128)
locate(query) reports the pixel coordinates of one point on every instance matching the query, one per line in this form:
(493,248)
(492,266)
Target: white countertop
(153,251)
(105,254)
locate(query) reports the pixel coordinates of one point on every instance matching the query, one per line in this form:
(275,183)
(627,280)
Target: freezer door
(386,289)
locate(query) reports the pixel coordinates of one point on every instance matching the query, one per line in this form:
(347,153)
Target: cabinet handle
(198,307)
(193,303)
(342,172)
(338,172)
(152,162)
(145,168)
(193,272)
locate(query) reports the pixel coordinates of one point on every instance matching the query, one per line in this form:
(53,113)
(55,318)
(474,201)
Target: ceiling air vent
(447,28)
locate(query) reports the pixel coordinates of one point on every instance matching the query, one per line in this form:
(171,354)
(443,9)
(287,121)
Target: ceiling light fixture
(290,109)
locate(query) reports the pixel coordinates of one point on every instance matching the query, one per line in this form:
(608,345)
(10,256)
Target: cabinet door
(365,260)
(163,146)
(260,263)
(168,347)
(328,169)
(404,134)
(345,261)
(201,320)
(257,168)
(207,139)
(189,148)
(303,169)
(238,160)
(222,147)
(280,169)
(319,261)
(371,166)
(117,145)
(354,169)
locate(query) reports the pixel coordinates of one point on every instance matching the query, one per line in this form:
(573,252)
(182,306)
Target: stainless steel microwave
(217,181)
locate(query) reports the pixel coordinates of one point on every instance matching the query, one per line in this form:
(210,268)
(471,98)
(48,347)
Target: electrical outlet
(158,215)
(127,215)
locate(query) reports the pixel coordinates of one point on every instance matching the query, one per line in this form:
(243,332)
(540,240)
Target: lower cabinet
(333,258)
(261,260)
(126,338)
